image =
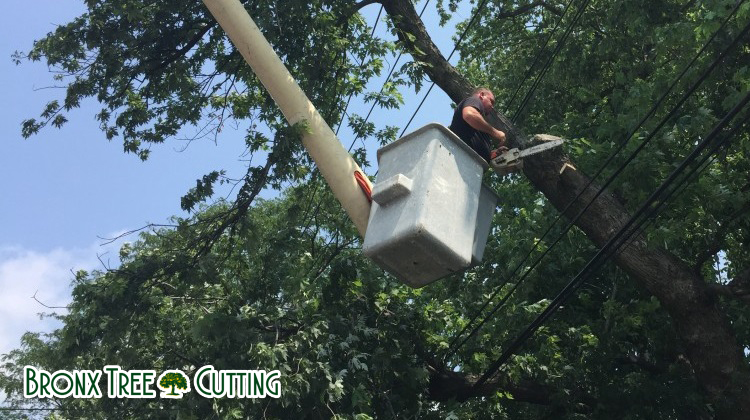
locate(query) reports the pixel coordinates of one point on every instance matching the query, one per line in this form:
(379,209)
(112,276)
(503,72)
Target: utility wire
(377,20)
(356,137)
(541,74)
(591,180)
(646,210)
(374,102)
(387,79)
(551,58)
(315,189)
(455,47)
(536,59)
(705,163)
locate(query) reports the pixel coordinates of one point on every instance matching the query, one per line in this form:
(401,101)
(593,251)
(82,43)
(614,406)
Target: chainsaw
(512,160)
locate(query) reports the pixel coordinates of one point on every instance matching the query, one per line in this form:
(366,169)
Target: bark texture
(711,346)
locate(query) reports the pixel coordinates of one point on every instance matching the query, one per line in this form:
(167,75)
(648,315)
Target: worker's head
(486,96)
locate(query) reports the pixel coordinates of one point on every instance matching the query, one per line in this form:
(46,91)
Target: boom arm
(335,163)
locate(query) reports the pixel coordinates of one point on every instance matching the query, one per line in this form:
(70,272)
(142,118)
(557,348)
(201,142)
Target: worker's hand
(500,136)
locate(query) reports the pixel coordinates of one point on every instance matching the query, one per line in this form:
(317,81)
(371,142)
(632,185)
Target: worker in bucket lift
(470,126)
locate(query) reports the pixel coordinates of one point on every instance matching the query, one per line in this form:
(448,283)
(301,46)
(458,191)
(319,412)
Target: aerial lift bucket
(431,214)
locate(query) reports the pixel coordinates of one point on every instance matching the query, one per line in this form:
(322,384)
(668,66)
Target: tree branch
(719,238)
(245,197)
(347,13)
(712,345)
(525,9)
(412,33)
(281,333)
(364,3)
(45,305)
(174,55)
(738,288)
(448,385)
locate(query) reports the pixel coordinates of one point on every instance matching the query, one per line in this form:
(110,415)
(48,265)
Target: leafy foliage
(281,284)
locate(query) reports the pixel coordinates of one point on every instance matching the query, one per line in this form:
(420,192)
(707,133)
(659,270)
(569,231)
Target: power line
(374,102)
(536,59)
(387,79)
(610,248)
(377,20)
(706,161)
(541,74)
(609,181)
(455,47)
(315,189)
(551,58)
(645,212)
(536,262)
(393,68)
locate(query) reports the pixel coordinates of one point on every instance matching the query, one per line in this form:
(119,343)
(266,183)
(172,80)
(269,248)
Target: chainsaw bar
(512,160)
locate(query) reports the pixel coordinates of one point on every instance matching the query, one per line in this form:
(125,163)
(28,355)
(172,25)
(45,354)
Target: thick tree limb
(712,347)
(347,13)
(172,56)
(250,189)
(447,385)
(421,47)
(193,42)
(363,3)
(719,238)
(738,288)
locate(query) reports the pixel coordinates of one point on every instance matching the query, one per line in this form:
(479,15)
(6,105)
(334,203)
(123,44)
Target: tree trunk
(712,348)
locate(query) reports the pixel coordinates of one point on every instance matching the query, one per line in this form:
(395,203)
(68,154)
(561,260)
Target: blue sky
(64,189)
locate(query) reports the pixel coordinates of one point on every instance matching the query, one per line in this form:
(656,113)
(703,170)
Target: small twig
(188,298)
(99,257)
(47,306)
(37,89)
(130,232)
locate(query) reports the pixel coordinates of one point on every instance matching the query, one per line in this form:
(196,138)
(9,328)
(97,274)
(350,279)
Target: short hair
(480,90)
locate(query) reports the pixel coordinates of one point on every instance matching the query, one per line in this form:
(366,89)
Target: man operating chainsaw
(470,126)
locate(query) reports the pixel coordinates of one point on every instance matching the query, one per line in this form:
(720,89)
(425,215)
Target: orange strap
(364,183)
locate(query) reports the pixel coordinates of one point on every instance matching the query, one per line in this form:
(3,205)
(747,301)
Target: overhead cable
(387,79)
(536,58)
(644,212)
(453,347)
(455,47)
(549,61)
(377,20)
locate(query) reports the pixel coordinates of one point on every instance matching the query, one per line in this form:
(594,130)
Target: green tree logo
(174,381)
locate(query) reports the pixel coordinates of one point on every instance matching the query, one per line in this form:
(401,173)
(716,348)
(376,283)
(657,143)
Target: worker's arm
(474,118)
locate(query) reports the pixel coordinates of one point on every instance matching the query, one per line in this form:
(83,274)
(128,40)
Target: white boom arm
(334,162)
